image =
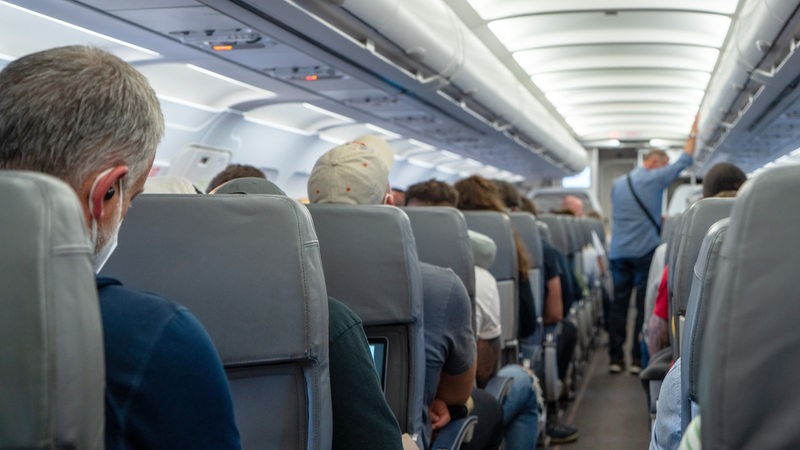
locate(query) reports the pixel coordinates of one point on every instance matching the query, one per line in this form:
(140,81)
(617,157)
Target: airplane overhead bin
(430,32)
(753,82)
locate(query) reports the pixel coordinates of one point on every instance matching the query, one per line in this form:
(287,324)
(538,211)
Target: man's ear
(388,199)
(106,189)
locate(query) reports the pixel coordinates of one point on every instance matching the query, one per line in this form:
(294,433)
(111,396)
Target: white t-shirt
(487,305)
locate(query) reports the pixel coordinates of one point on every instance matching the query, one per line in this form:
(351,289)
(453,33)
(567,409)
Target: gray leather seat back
(371,264)
(700,298)
(442,240)
(559,234)
(544,231)
(504,269)
(694,226)
(748,395)
(525,224)
(52,372)
(249,268)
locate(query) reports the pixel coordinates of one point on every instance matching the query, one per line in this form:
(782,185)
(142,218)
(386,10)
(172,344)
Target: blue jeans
(628,273)
(520,410)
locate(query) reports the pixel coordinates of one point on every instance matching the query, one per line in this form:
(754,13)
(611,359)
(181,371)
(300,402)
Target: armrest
(498,387)
(455,433)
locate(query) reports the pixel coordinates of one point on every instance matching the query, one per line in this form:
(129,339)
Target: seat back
(249,269)
(694,226)
(504,269)
(525,224)
(752,342)
(371,265)
(705,272)
(560,237)
(52,372)
(442,240)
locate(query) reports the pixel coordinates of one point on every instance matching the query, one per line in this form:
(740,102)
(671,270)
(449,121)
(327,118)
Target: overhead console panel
(441,57)
(751,114)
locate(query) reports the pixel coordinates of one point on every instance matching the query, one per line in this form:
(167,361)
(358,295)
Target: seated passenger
(169,185)
(357,173)
(361,417)
(87,117)
(560,291)
(521,404)
(232,172)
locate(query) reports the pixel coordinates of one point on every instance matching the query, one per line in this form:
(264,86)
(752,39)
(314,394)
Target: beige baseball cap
(355,173)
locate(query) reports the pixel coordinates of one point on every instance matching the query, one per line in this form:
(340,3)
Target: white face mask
(101,255)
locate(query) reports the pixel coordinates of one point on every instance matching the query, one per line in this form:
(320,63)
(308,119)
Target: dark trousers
(629,273)
(565,347)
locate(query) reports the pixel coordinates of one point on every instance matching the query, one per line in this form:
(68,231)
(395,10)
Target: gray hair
(71,111)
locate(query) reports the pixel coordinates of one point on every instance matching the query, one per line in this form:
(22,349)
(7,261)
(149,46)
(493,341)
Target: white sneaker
(615,368)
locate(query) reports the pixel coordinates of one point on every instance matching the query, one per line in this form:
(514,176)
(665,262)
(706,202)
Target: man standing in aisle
(635,233)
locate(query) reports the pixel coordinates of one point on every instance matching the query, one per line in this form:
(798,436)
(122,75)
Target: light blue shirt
(632,233)
(667,427)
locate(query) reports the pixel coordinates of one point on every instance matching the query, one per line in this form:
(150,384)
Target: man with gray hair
(87,117)
(635,230)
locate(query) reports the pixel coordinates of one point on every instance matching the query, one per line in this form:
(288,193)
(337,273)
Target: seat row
(732,266)
(256,270)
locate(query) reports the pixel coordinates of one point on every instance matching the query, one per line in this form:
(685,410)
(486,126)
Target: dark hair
(432,191)
(232,172)
(528,205)
(508,193)
(721,178)
(478,193)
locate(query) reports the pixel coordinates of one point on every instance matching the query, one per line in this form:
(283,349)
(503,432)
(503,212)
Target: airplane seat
(249,268)
(504,269)
(525,224)
(52,371)
(700,295)
(667,227)
(544,231)
(696,221)
(446,249)
(747,383)
(659,364)
(558,233)
(370,260)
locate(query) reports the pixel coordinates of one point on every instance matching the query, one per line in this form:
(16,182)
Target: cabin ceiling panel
(615,58)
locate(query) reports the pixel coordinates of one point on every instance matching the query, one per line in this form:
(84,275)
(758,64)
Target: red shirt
(662,302)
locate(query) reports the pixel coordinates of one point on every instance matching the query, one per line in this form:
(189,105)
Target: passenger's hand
(439,414)
(691,143)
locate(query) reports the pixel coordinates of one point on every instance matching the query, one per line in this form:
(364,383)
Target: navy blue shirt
(165,385)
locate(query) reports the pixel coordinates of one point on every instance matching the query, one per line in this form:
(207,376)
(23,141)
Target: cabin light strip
(279,126)
(383,131)
(327,113)
(84,30)
(421,144)
(268,94)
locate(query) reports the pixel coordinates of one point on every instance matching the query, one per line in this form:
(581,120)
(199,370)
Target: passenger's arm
(183,400)
(361,416)
(455,389)
(488,360)
(553,306)
(691,143)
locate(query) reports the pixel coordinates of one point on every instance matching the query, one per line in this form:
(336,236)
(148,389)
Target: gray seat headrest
(441,236)
(52,372)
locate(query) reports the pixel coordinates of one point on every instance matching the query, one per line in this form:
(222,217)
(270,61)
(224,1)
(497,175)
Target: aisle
(609,410)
